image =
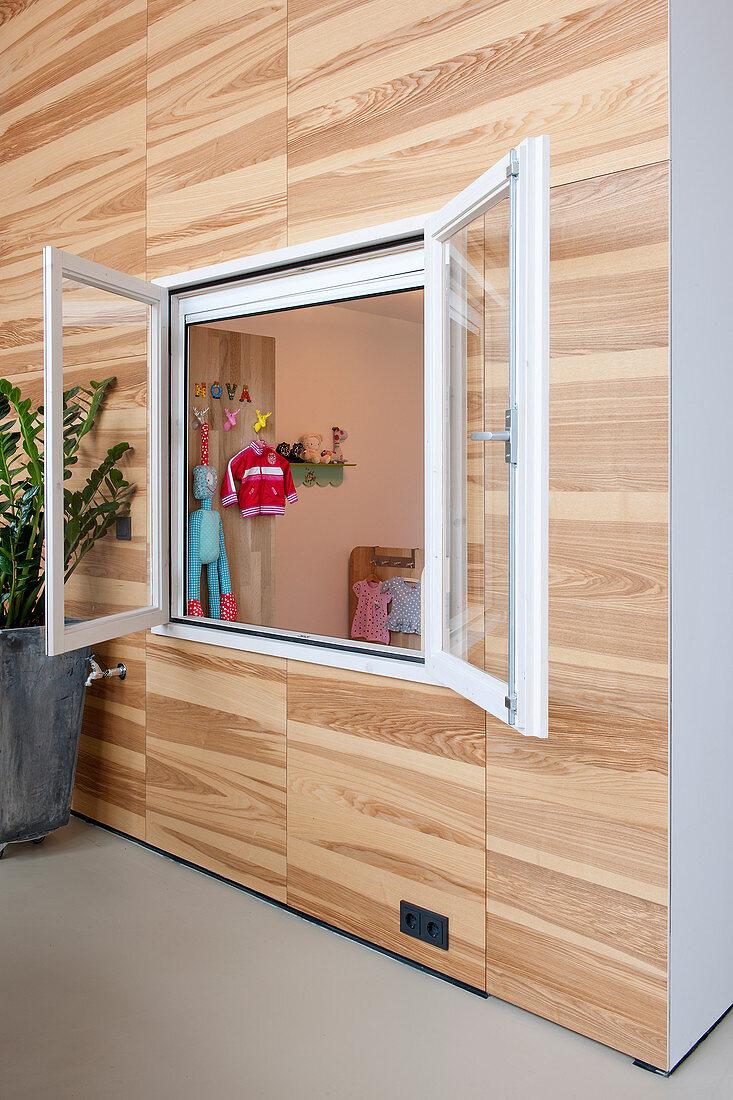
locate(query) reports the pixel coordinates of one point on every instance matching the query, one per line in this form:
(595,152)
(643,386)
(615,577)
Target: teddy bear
(283,449)
(312,446)
(338,436)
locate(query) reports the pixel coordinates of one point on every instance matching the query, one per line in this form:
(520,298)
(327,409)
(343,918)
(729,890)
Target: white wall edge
(700,958)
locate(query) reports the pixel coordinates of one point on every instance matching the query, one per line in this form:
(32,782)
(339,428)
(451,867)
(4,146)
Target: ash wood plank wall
(216,183)
(244,359)
(72,174)
(72,169)
(386,803)
(388,123)
(114,575)
(111,769)
(389,110)
(577,879)
(216,761)
(393,108)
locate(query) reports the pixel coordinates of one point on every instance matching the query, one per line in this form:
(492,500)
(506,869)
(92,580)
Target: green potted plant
(42,698)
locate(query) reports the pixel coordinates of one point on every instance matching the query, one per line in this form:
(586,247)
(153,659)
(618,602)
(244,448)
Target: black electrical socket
(424,925)
(410,919)
(123,528)
(434,929)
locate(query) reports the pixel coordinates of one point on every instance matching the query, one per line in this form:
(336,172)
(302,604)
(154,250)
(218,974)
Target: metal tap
(99,671)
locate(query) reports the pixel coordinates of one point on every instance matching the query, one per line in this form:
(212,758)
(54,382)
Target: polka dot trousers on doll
(228,608)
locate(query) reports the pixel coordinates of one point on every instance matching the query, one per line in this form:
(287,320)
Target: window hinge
(510,447)
(512,168)
(510,702)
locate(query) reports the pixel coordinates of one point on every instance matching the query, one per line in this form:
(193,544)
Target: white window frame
(378,260)
(396,256)
(530,342)
(61,637)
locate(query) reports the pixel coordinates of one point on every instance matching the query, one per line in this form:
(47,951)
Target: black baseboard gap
(667,1073)
(652,1069)
(287,908)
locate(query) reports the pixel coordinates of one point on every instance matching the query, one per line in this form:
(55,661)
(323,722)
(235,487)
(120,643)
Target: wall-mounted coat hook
(392,561)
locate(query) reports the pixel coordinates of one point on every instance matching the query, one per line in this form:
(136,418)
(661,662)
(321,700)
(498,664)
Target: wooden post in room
(218,356)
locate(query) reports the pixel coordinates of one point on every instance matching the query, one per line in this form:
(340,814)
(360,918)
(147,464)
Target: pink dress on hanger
(370,618)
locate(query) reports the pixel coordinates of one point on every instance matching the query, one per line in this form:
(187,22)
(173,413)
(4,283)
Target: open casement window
(486,279)
(484,267)
(101,324)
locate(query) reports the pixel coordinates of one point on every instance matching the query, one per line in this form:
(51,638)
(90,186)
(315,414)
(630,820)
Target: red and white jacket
(266,481)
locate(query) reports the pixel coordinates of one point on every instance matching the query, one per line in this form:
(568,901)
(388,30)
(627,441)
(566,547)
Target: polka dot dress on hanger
(370,619)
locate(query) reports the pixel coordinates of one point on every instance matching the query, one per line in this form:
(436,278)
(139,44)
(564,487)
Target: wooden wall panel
(392,108)
(216,761)
(72,152)
(242,359)
(110,772)
(72,174)
(577,825)
(216,185)
(386,803)
(114,576)
(389,109)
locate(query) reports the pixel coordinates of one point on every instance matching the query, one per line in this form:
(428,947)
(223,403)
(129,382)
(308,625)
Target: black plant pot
(41,707)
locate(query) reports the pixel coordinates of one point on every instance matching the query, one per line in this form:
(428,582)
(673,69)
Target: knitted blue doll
(206,544)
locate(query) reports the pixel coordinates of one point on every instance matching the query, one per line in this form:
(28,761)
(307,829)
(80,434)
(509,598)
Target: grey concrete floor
(126,975)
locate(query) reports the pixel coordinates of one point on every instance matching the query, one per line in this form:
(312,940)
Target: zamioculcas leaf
(89,514)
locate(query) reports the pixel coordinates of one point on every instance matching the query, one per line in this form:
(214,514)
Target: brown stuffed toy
(312,447)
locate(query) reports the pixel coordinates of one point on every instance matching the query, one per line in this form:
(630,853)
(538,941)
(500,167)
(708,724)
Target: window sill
(397,666)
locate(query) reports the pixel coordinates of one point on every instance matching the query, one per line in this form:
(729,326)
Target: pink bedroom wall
(364,372)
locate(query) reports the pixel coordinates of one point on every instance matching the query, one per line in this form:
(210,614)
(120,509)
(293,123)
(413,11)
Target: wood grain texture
(386,803)
(216,130)
(242,359)
(390,110)
(394,108)
(216,761)
(114,576)
(577,881)
(72,174)
(110,772)
(72,152)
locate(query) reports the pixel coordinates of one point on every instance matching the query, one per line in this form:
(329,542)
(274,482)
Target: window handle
(490,437)
(507,437)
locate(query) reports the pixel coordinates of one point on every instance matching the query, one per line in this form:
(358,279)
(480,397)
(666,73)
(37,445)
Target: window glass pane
(355,366)
(105,337)
(476,534)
